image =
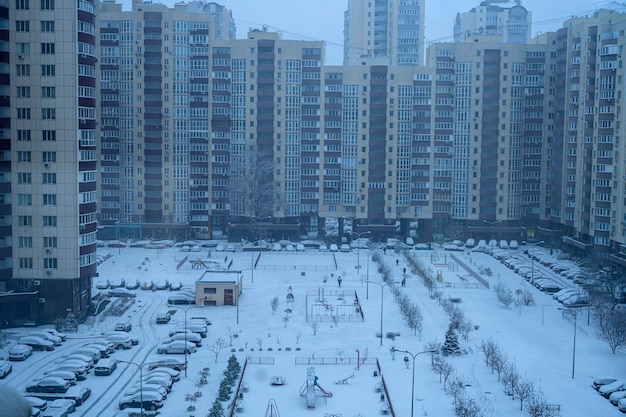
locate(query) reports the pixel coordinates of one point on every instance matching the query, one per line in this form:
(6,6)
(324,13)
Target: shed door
(228,297)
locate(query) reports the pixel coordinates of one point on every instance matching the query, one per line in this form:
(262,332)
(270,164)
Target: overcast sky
(323,19)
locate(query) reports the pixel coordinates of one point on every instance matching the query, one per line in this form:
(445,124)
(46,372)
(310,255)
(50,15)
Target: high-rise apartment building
(384,32)
(510,24)
(48,174)
(155,78)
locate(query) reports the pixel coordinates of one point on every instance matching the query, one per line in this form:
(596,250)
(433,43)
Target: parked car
(37,343)
(608,389)
(616,396)
(172,373)
(47,336)
(203,319)
(163,318)
(121,293)
(103,285)
(19,352)
(120,340)
(145,400)
(54,332)
(123,327)
(77,357)
(146,388)
(35,402)
(60,407)
(602,380)
(5,368)
(333,247)
(323,248)
(159,379)
(133,285)
(105,349)
(194,328)
(162,285)
(91,352)
(180,298)
(230,248)
(177,346)
(194,338)
(79,369)
(171,363)
(67,375)
(105,367)
(117,283)
(49,384)
(344,247)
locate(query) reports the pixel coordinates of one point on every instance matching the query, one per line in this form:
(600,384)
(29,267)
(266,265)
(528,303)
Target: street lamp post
(532,261)
(140,367)
(491,224)
(185,311)
(382,293)
(574,310)
(358,249)
(413,355)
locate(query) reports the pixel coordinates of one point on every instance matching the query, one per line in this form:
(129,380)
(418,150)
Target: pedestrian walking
(404,282)
(397,262)
(339,280)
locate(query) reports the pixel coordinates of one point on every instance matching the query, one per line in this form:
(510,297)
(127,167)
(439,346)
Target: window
(23,135)
(48,113)
(49,242)
(26,242)
(48,70)
(23,156)
(210,291)
(22,70)
(48,92)
(49,156)
(49,199)
(25,199)
(47,4)
(26,263)
(50,263)
(22,26)
(50,221)
(50,135)
(25,220)
(49,178)
(24,178)
(47,48)
(22,4)
(23,92)
(47,25)
(23,113)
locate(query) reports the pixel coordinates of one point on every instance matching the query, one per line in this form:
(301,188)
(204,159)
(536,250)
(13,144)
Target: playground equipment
(344,381)
(272,409)
(311,389)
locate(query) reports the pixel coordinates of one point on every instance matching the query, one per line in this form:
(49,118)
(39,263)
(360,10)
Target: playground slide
(326,393)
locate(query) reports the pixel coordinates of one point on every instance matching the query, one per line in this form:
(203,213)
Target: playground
(287,385)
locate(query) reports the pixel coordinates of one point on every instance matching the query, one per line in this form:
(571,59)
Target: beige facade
(219,288)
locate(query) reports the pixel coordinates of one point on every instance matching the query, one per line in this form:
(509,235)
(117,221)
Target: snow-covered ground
(538,339)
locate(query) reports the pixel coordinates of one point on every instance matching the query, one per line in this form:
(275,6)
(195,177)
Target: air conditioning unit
(48,272)
(36,282)
(42,300)
(46,164)
(48,250)
(20,56)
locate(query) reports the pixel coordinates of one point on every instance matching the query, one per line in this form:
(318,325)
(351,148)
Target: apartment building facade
(384,32)
(505,24)
(49,223)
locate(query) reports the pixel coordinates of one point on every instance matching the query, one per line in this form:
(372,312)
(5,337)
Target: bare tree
(465,327)
(488,348)
(504,294)
(254,192)
(468,407)
(524,390)
(499,362)
(315,326)
(217,346)
(286,320)
(259,342)
(299,333)
(231,335)
(612,329)
(274,304)
(510,379)
(455,389)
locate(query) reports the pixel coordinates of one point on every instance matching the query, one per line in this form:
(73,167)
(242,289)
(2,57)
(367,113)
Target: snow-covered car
(344,247)
(80,369)
(181,298)
(49,384)
(176,346)
(123,327)
(120,340)
(171,363)
(172,373)
(103,285)
(60,407)
(146,388)
(186,337)
(5,368)
(47,336)
(323,248)
(147,401)
(54,332)
(66,375)
(37,343)
(105,367)
(19,352)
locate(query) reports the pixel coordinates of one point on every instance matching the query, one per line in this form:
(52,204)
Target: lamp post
(358,249)
(367,274)
(140,367)
(532,261)
(381,306)
(413,355)
(491,224)
(574,310)
(185,311)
